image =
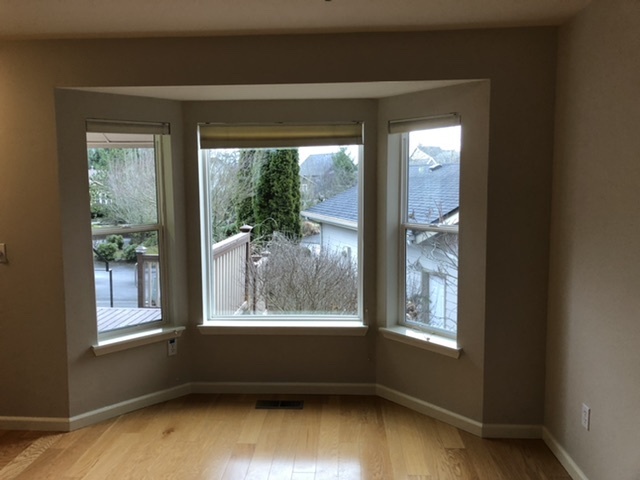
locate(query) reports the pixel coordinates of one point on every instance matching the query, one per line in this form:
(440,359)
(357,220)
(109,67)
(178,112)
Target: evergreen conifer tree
(344,173)
(277,201)
(248,171)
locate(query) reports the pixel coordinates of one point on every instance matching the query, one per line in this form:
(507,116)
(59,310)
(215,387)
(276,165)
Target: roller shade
(113,134)
(279,135)
(424,123)
(109,126)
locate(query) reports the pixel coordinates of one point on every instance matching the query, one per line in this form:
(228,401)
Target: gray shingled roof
(343,206)
(432,194)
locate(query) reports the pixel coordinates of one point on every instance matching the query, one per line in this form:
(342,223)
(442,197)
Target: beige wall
(46,370)
(94,382)
(594,306)
(255,359)
(464,377)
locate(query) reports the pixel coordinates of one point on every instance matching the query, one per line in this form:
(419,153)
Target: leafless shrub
(292,279)
(438,257)
(131,183)
(310,228)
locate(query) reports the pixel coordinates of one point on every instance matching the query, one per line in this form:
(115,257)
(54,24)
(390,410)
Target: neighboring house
(435,154)
(316,165)
(338,219)
(314,171)
(431,257)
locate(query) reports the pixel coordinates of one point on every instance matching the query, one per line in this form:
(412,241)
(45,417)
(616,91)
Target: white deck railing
(148,276)
(231,259)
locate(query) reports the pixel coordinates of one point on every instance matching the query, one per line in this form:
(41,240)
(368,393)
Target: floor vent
(279,404)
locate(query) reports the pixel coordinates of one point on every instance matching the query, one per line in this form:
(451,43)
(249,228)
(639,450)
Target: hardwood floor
(226,437)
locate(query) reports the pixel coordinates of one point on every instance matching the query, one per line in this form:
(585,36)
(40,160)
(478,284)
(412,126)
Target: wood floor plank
(239,462)
(223,420)
(109,461)
(349,467)
(28,456)
(306,452)
(419,447)
(539,454)
(12,443)
(394,440)
(374,453)
(303,476)
(224,437)
(252,426)
(480,457)
(456,465)
(448,435)
(265,446)
(284,453)
(327,466)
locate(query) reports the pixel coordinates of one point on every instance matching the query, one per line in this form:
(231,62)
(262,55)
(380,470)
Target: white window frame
(404,128)
(226,136)
(162,148)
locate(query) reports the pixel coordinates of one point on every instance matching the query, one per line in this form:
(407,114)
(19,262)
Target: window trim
(403,129)
(423,340)
(135,339)
(473,102)
(281,324)
(297,327)
(162,153)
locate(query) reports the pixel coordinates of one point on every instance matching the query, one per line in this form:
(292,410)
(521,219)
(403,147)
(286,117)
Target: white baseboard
(263,388)
(464,423)
(496,430)
(110,411)
(43,424)
(60,424)
(563,457)
(484,430)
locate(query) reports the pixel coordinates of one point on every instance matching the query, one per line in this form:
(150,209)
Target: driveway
(125,289)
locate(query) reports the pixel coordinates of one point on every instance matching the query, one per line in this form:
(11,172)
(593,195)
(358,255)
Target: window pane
(127,279)
(301,255)
(433,287)
(433,177)
(432,201)
(432,280)
(122,184)
(125,227)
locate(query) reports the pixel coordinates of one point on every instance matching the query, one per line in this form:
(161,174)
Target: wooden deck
(113,318)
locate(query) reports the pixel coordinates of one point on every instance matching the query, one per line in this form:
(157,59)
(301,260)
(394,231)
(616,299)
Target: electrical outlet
(172,347)
(586,416)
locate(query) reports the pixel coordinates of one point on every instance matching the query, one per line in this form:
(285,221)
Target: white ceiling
(24,19)
(278,91)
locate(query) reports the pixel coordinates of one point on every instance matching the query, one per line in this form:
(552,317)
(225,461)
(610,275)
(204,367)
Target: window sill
(275,327)
(125,342)
(426,341)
